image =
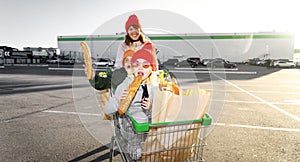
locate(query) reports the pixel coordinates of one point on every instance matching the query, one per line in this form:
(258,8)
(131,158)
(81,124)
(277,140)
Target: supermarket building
(235,47)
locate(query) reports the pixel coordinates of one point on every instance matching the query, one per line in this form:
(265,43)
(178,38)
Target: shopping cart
(165,141)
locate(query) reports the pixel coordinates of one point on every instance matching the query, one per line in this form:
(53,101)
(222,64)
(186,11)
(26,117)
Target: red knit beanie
(147,52)
(132,20)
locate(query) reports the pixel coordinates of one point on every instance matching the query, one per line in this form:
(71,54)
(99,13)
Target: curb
(33,65)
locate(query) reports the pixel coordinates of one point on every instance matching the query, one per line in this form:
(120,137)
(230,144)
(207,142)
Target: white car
(206,61)
(103,62)
(290,64)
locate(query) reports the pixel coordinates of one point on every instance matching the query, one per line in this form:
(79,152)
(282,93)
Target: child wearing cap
(143,63)
(125,72)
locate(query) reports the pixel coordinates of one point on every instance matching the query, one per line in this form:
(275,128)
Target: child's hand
(146,103)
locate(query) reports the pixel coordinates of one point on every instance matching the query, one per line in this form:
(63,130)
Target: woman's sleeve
(120,53)
(111,106)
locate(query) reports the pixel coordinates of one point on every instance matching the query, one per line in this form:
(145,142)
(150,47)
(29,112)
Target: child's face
(141,67)
(127,65)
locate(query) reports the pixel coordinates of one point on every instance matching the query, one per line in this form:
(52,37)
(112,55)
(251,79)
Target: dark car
(220,64)
(194,60)
(67,61)
(53,61)
(185,63)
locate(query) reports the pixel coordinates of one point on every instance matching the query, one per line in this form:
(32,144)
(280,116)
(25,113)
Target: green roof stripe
(90,39)
(297,51)
(181,37)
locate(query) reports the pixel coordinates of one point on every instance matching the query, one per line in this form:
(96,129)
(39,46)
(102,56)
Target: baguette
(169,86)
(132,89)
(87,60)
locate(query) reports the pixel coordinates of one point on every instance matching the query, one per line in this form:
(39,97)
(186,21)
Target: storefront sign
(21,54)
(1,58)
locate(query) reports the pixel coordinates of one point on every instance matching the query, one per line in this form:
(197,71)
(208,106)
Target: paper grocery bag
(167,107)
(103,98)
(152,147)
(194,104)
(185,142)
(189,105)
(163,101)
(179,150)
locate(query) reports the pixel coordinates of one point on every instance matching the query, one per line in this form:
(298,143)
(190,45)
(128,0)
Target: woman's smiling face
(134,32)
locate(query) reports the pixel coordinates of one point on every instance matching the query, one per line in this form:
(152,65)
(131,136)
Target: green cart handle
(144,127)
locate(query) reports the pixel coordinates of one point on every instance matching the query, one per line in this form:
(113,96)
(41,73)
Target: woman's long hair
(129,41)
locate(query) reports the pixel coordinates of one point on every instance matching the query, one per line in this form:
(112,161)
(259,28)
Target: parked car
(261,62)
(52,61)
(185,63)
(103,62)
(194,60)
(252,61)
(205,61)
(220,64)
(67,61)
(290,64)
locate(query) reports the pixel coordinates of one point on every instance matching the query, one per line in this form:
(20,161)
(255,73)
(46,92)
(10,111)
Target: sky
(37,23)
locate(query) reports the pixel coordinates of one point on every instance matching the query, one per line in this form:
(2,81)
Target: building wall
(230,46)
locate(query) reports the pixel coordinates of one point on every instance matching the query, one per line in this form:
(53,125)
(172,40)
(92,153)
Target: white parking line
(211,69)
(71,69)
(257,102)
(254,84)
(219,124)
(68,69)
(72,113)
(259,127)
(215,72)
(257,85)
(272,92)
(263,101)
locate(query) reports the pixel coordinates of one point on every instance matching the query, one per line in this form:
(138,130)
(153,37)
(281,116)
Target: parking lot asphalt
(53,115)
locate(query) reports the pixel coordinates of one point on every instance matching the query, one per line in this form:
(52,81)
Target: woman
(134,38)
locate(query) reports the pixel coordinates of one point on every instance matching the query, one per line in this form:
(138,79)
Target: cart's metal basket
(165,141)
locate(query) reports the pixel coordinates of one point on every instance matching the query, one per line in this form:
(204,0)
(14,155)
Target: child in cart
(111,106)
(143,63)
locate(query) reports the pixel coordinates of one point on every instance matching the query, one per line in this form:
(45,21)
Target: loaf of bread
(132,89)
(169,86)
(87,60)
